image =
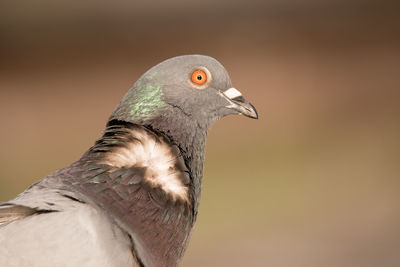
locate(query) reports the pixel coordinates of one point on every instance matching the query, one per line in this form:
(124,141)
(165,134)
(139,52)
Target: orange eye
(199,77)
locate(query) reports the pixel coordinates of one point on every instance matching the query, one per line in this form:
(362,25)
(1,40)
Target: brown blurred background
(314,182)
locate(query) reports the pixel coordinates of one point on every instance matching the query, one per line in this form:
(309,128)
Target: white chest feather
(158,157)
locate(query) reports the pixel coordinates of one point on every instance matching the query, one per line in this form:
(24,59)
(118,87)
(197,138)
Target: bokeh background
(314,182)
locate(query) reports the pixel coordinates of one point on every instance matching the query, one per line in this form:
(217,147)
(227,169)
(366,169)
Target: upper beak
(238,103)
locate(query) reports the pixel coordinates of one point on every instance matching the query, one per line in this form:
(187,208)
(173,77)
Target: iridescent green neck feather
(143,102)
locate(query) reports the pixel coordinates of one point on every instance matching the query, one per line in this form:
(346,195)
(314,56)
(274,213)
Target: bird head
(193,86)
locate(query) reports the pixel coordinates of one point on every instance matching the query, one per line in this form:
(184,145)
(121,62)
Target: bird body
(132,198)
(76,235)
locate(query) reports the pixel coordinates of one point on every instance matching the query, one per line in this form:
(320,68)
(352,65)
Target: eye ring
(199,77)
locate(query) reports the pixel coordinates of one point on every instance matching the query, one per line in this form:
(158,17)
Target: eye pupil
(199,77)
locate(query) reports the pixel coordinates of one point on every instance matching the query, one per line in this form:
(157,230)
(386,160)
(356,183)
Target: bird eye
(199,77)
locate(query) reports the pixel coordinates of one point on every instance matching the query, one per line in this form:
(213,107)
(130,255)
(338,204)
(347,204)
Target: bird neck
(182,129)
(190,137)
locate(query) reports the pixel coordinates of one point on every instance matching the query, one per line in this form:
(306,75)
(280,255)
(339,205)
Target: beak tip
(249,110)
(254,114)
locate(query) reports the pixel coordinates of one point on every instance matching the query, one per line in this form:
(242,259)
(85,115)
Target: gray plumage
(132,198)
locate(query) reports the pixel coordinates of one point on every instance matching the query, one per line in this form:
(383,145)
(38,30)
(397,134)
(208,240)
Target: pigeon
(132,199)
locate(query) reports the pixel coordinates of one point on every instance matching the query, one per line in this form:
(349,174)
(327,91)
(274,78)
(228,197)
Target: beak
(238,103)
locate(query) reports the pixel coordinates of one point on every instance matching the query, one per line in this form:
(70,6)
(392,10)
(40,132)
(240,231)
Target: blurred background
(314,182)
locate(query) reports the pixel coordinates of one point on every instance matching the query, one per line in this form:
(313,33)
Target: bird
(132,198)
